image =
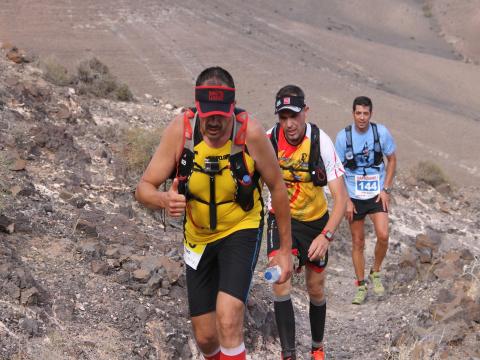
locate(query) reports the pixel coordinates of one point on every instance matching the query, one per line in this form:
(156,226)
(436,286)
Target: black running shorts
(303,233)
(226,265)
(364,207)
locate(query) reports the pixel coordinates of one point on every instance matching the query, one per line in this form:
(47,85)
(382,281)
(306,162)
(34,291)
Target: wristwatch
(388,190)
(328,234)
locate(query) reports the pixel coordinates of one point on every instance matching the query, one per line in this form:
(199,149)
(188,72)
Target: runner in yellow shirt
(219,154)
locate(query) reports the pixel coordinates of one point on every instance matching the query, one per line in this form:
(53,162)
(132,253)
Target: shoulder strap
(239,131)
(348,137)
(189,123)
(246,182)
(377,148)
(349,161)
(185,165)
(274,137)
(316,167)
(314,144)
(237,159)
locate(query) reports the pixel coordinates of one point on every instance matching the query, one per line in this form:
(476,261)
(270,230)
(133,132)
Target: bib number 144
(367,186)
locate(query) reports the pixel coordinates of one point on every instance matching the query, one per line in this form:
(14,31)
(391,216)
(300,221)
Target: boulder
(29,296)
(16,56)
(425,241)
(87,228)
(6,225)
(99,267)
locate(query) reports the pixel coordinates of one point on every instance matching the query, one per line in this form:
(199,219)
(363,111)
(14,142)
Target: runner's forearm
(149,196)
(340,199)
(282,215)
(390,170)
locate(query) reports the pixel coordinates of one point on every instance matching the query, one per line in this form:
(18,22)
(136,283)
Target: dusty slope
(390,50)
(89,274)
(459,22)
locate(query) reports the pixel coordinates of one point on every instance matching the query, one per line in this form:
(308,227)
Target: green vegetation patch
(138,148)
(430,173)
(93,78)
(55,72)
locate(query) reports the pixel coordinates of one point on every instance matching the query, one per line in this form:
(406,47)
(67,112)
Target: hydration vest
(246,182)
(316,167)
(350,161)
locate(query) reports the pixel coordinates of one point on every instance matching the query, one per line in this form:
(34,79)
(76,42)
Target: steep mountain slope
(407,55)
(87,273)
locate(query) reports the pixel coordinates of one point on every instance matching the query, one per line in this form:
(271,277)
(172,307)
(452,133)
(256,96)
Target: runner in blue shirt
(362,148)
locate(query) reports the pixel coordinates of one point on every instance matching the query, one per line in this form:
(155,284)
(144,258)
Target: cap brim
(295,109)
(214,108)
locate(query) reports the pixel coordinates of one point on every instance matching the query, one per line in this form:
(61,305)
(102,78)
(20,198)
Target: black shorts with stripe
(226,265)
(303,233)
(365,207)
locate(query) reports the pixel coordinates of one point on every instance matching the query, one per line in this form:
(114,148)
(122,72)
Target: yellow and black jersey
(230,216)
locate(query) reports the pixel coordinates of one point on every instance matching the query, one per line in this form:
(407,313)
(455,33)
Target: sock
(213,356)
(285,319)
(318,312)
(360,282)
(237,353)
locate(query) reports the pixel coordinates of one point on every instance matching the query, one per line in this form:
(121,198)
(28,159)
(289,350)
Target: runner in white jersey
(309,163)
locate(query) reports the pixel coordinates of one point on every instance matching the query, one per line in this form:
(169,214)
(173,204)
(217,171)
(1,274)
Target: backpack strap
(185,165)
(316,167)
(274,137)
(377,148)
(246,181)
(349,161)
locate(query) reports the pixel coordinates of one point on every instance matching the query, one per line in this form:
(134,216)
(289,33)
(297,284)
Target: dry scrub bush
(138,148)
(123,93)
(427,10)
(55,73)
(94,77)
(4,186)
(430,173)
(3,97)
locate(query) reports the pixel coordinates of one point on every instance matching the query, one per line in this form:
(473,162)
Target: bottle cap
(246,179)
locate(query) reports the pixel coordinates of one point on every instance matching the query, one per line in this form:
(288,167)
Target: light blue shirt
(362,144)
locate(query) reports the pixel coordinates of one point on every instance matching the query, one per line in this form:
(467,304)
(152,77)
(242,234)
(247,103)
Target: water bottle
(322,261)
(272,274)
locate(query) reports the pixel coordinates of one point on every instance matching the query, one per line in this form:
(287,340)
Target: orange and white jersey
(307,202)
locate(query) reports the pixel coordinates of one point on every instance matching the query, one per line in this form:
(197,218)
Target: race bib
(192,253)
(366,187)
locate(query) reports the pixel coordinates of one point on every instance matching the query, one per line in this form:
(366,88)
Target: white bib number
(366,187)
(192,253)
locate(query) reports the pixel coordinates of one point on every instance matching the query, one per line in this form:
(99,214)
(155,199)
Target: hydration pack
(350,161)
(316,167)
(246,182)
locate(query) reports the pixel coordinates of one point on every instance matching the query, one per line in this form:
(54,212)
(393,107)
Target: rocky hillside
(416,59)
(87,273)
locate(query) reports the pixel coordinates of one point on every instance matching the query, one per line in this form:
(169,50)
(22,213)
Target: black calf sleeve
(285,319)
(317,322)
